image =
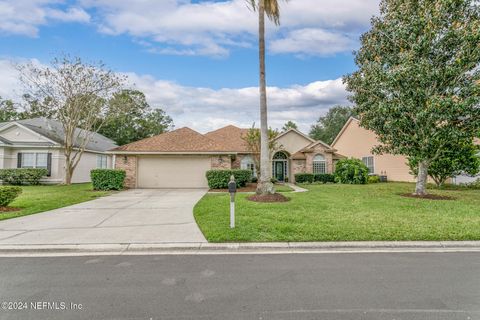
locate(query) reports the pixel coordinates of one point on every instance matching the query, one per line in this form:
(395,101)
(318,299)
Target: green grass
(282,188)
(36,199)
(344,213)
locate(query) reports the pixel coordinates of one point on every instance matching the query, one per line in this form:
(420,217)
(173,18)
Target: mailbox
(232,187)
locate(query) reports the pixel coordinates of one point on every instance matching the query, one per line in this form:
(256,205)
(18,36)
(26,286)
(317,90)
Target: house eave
(172,152)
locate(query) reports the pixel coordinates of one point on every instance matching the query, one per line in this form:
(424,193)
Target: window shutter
(49,164)
(19,160)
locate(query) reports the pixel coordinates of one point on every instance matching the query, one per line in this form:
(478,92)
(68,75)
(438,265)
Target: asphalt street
(342,286)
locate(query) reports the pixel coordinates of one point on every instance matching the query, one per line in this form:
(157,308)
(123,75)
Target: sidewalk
(239,248)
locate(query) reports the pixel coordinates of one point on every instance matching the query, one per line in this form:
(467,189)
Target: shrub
(107,179)
(219,179)
(351,171)
(304,177)
(324,178)
(21,176)
(254,179)
(8,194)
(373,179)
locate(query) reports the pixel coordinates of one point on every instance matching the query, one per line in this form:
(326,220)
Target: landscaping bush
(219,179)
(21,176)
(8,194)
(107,179)
(351,171)
(324,178)
(373,179)
(304,177)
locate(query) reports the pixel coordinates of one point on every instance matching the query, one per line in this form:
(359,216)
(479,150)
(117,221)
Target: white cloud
(9,81)
(26,16)
(213,27)
(205,109)
(311,41)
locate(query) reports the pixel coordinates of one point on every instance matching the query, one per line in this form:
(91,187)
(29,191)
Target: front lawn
(36,199)
(344,213)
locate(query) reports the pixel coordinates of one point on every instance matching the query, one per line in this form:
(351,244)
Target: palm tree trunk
(264,185)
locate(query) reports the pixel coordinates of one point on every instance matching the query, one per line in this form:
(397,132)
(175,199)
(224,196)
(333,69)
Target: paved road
(436,286)
(133,216)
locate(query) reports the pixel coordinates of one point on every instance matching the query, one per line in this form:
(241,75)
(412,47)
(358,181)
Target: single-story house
(354,141)
(38,143)
(180,158)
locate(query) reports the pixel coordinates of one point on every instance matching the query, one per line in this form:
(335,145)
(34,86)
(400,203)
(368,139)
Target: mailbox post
(232,189)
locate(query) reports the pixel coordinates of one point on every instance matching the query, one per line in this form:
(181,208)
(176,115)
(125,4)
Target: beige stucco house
(357,142)
(180,158)
(38,143)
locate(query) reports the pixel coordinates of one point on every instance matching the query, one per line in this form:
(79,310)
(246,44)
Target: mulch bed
(250,187)
(276,197)
(427,196)
(9,209)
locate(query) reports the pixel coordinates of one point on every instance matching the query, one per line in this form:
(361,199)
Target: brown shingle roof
(230,137)
(180,140)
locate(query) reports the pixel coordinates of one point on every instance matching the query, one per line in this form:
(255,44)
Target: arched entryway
(280,167)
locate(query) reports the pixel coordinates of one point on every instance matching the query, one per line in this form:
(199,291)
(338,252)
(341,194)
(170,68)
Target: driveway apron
(133,216)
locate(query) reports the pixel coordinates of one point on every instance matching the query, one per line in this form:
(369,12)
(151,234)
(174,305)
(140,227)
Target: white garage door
(173,171)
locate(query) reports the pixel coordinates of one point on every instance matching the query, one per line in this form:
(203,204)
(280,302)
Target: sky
(197,60)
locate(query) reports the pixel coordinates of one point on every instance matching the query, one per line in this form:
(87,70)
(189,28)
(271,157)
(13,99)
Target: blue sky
(197,59)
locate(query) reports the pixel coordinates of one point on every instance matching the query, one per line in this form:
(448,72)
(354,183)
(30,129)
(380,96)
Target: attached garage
(172,171)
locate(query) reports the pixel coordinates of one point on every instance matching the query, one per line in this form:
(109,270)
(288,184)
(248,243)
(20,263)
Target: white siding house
(38,143)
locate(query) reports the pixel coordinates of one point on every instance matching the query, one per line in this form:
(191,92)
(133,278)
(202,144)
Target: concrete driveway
(133,216)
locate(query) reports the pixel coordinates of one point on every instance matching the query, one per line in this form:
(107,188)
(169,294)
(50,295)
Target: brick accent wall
(298,166)
(221,162)
(129,164)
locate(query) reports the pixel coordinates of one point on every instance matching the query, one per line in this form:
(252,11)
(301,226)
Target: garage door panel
(173,172)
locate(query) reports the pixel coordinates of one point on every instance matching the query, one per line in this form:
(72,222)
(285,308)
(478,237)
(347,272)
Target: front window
(101,161)
(41,160)
(368,161)
(28,160)
(31,160)
(247,163)
(319,164)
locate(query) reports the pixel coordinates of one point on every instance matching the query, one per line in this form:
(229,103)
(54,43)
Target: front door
(279,171)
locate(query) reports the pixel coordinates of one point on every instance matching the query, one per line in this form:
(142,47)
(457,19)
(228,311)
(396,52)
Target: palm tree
(270,8)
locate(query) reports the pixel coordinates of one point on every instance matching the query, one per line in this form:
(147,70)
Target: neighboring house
(357,142)
(464,178)
(38,143)
(180,158)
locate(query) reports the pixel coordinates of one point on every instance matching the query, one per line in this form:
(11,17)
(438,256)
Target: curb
(239,248)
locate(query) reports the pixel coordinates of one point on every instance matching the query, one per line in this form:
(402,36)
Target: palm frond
(272,9)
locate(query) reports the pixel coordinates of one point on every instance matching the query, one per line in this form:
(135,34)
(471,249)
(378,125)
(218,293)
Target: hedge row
(219,179)
(8,194)
(107,179)
(21,176)
(311,177)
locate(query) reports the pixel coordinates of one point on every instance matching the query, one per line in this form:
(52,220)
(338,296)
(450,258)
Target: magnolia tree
(418,80)
(77,93)
(457,158)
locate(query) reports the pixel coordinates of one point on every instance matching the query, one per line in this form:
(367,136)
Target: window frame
(35,160)
(365,160)
(247,163)
(101,158)
(320,165)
